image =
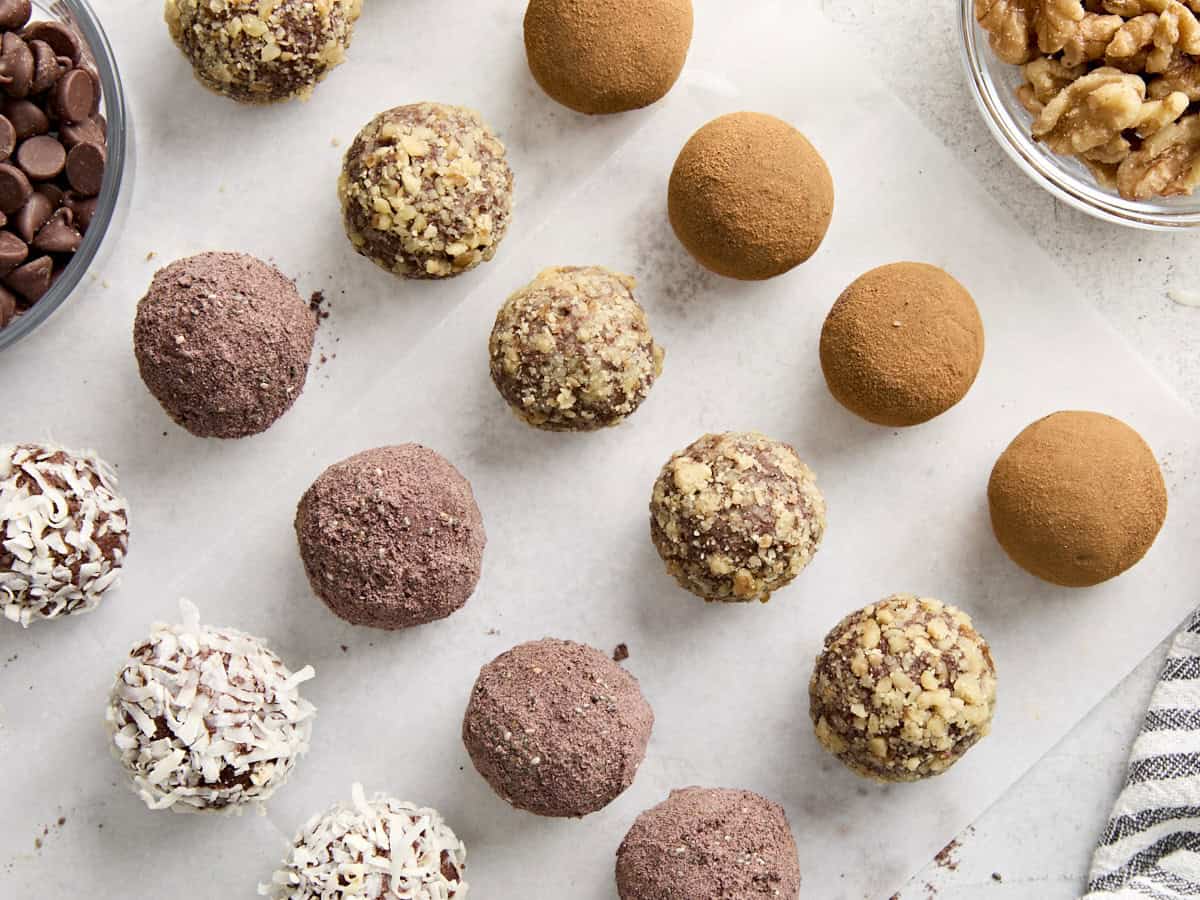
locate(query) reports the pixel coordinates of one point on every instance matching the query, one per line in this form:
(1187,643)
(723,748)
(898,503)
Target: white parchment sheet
(569,553)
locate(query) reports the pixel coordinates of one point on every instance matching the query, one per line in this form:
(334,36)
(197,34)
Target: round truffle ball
(607,56)
(572,351)
(736,516)
(426,191)
(373,849)
(256,52)
(391,537)
(709,842)
(65,529)
(207,719)
(222,341)
(903,688)
(557,728)
(902,344)
(750,197)
(1077,498)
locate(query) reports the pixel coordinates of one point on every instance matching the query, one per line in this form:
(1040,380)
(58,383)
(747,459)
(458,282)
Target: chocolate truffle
(710,843)
(391,537)
(572,351)
(607,56)
(262,51)
(902,344)
(903,688)
(1077,498)
(372,850)
(426,191)
(222,341)
(64,531)
(750,197)
(207,719)
(736,516)
(557,728)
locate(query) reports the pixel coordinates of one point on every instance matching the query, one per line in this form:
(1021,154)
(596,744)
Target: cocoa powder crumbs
(621,653)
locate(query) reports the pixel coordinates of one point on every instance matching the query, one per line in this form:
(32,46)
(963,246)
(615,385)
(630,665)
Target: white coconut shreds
(64,531)
(207,719)
(377,849)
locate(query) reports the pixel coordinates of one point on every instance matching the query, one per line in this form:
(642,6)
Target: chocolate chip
(26,117)
(8,304)
(46,67)
(42,158)
(64,40)
(51,192)
(83,208)
(73,96)
(32,279)
(85,168)
(8,138)
(32,216)
(16,65)
(84,67)
(58,235)
(12,252)
(90,129)
(14,188)
(14,13)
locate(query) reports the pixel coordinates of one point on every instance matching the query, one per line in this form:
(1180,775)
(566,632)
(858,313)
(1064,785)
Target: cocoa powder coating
(607,56)
(750,197)
(1077,498)
(391,537)
(709,844)
(557,728)
(223,340)
(902,344)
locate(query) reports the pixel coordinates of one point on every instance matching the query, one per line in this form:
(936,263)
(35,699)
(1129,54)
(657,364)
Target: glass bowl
(994,85)
(79,15)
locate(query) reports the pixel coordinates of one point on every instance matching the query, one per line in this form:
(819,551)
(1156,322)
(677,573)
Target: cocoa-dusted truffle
(1077,498)
(207,719)
(572,351)
(736,516)
(64,531)
(750,197)
(903,688)
(262,52)
(902,344)
(222,341)
(709,842)
(557,728)
(607,56)
(391,537)
(376,849)
(426,191)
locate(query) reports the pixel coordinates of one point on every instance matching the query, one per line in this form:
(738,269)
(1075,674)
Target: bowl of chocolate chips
(62,154)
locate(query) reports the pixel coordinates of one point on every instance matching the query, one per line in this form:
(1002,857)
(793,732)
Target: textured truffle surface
(736,516)
(64,531)
(607,56)
(223,341)
(750,197)
(709,843)
(426,191)
(1077,498)
(903,688)
(572,351)
(902,344)
(557,728)
(207,719)
(391,537)
(262,51)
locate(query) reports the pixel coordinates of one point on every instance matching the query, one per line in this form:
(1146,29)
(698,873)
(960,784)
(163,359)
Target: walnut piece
(1010,27)
(1090,39)
(1093,111)
(1183,74)
(1166,165)
(1056,22)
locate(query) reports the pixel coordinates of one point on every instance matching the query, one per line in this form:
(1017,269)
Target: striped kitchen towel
(1151,847)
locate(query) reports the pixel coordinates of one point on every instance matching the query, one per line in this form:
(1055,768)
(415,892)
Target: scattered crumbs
(492,631)
(164,434)
(151,255)
(62,820)
(316,302)
(104,284)
(324,359)
(100,826)
(345,649)
(996,876)
(37,843)
(945,857)
(335,141)
(621,653)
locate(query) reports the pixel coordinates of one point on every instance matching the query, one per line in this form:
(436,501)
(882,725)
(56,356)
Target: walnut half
(1166,165)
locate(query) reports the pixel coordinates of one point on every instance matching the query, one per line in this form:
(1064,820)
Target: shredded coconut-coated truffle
(65,531)
(373,849)
(207,719)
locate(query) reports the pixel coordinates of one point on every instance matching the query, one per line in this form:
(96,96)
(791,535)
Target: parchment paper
(569,553)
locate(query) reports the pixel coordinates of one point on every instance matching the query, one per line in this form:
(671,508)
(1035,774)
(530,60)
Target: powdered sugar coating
(377,848)
(207,719)
(64,529)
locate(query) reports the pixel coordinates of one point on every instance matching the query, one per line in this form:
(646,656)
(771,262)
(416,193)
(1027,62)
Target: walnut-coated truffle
(426,191)
(903,688)
(709,843)
(902,344)
(262,51)
(557,728)
(391,537)
(736,516)
(1077,498)
(572,351)
(607,56)
(750,197)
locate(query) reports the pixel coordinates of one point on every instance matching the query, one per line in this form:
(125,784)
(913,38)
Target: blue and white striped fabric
(1151,847)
